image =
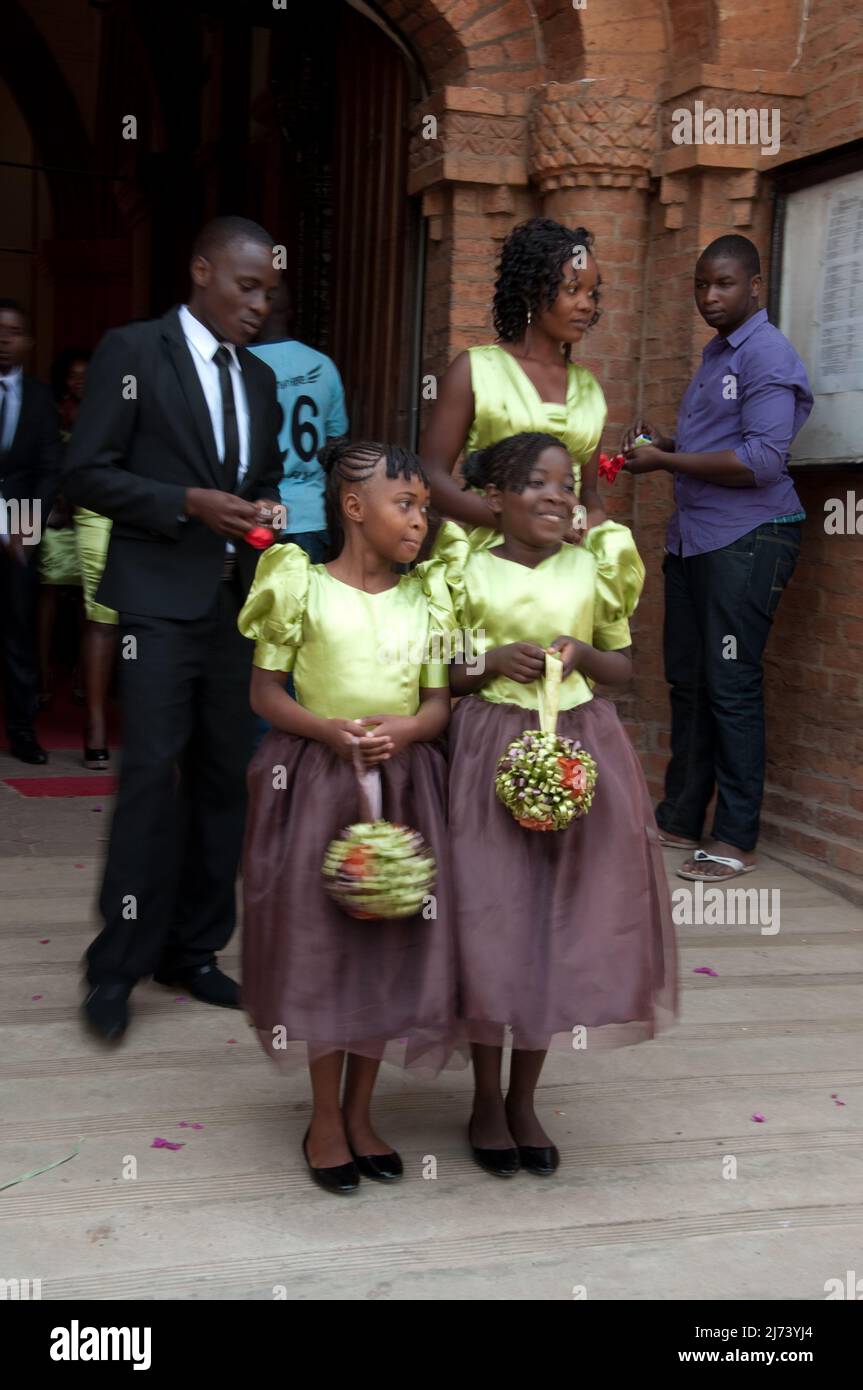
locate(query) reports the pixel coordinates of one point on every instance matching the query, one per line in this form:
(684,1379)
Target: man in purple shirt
(732,546)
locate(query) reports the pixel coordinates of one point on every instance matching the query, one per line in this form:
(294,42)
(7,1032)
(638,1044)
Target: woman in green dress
(545,300)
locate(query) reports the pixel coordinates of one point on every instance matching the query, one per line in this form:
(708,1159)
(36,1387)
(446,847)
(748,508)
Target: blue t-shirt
(312,398)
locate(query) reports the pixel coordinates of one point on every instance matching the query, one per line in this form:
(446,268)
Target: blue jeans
(315,544)
(719,609)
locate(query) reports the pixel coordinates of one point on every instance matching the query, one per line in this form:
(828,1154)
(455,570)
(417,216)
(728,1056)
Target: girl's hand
(340,735)
(519,661)
(570,651)
(386,735)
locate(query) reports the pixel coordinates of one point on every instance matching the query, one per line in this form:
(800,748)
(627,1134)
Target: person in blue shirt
(312,400)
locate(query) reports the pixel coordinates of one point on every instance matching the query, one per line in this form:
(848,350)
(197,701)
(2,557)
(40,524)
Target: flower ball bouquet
(544,780)
(376,869)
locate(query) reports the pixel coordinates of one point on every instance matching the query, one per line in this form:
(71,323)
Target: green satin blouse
(352,653)
(507,402)
(587,591)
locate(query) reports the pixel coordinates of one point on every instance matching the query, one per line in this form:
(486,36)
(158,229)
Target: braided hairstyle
(508,463)
(346,462)
(530,274)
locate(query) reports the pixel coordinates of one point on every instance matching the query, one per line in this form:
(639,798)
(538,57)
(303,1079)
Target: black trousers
(719,608)
(19,593)
(168,892)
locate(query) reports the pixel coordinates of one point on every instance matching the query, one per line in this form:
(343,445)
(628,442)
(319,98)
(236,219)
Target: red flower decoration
(261,537)
(610,467)
(574,776)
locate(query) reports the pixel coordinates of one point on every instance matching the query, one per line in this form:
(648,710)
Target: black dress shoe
(542,1161)
(98,759)
(106,1009)
(205,982)
(381,1167)
(342,1179)
(502,1163)
(27,750)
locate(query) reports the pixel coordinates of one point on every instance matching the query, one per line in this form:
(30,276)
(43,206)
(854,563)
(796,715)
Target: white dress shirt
(203,346)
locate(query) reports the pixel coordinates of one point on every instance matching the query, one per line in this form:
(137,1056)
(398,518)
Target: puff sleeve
(452,551)
(619,581)
(273,613)
(431,574)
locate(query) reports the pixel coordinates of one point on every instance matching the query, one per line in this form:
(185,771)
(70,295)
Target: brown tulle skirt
(316,981)
(564,938)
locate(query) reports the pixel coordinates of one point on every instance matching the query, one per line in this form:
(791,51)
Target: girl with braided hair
(564,936)
(360,640)
(546,298)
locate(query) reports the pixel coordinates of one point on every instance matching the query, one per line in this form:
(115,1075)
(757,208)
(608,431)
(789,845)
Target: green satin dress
(586,591)
(352,654)
(507,402)
(92,534)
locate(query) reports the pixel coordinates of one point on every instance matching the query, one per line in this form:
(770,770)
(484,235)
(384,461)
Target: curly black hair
(346,462)
(507,463)
(530,273)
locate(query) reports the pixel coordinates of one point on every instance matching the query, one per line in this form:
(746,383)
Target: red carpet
(96,784)
(61,725)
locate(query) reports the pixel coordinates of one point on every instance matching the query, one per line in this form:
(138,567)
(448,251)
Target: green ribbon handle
(549,693)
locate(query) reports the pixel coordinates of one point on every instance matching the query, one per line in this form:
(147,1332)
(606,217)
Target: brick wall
(650,337)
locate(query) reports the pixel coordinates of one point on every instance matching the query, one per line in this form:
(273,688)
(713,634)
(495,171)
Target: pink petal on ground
(560,1112)
(838,1102)
(232,1040)
(705,970)
(758,1118)
(833,1095)
(43,940)
(34,997)
(181,999)
(188,1124)
(165,1144)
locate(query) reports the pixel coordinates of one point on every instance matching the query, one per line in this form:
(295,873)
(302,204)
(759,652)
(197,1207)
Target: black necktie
(231,461)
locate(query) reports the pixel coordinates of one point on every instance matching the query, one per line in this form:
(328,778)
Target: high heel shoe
(342,1179)
(501,1163)
(380,1167)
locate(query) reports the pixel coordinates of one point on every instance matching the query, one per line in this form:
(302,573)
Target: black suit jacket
(142,437)
(30,468)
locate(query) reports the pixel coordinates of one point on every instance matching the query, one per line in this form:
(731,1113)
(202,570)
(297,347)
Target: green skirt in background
(93,533)
(58,557)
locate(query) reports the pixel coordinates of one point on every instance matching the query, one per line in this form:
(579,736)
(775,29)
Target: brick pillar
(469,164)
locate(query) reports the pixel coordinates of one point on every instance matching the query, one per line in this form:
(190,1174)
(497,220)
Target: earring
(529,318)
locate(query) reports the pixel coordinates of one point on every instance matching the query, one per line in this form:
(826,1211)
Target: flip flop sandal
(676,844)
(702,857)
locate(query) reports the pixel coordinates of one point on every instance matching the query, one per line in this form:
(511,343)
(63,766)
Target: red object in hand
(260,537)
(610,467)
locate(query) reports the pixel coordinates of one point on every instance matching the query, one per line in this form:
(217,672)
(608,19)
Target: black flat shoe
(97,759)
(27,750)
(541,1161)
(342,1180)
(106,1010)
(501,1163)
(381,1167)
(205,982)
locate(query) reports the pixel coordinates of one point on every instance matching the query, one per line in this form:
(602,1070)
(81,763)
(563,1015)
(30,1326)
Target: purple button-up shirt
(750,394)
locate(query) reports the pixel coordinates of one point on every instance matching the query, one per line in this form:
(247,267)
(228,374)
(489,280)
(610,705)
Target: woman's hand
(386,735)
(341,736)
(570,651)
(519,661)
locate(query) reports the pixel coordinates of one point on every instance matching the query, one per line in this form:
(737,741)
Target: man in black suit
(177,442)
(29,467)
